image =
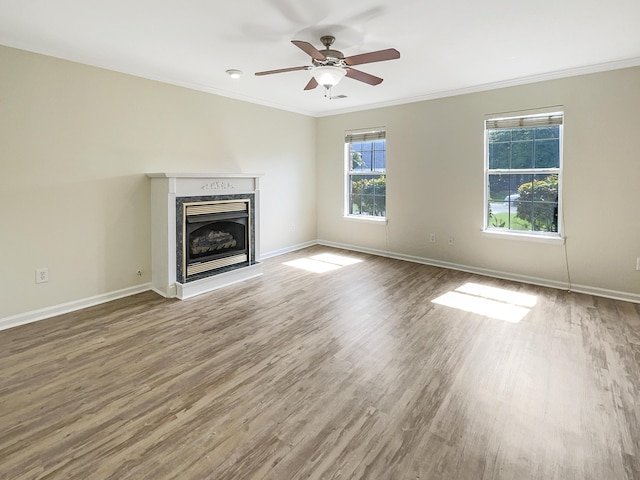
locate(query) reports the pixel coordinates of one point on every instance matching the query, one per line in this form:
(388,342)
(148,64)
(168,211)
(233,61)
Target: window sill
(526,237)
(366,219)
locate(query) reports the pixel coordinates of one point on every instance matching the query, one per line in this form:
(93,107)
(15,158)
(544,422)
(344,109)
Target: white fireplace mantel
(165,188)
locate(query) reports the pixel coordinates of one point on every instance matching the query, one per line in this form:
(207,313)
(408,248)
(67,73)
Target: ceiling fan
(329,66)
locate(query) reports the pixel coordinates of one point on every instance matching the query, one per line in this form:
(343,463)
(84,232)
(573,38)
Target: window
(523,162)
(366,174)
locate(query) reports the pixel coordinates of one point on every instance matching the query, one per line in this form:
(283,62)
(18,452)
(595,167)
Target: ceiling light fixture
(328,75)
(233,73)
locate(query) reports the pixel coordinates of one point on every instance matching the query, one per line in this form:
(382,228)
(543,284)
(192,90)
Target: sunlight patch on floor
(499,294)
(492,302)
(324,262)
(336,259)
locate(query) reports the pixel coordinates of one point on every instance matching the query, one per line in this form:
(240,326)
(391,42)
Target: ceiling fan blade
(363,77)
(312,84)
(282,70)
(379,56)
(309,49)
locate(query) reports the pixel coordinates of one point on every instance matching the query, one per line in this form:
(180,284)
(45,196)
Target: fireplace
(214,235)
(204,231)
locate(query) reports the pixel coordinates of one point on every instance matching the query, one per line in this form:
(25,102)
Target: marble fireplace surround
(165,189)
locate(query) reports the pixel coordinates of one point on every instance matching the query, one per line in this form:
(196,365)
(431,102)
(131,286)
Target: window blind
(546,120)
(364,136)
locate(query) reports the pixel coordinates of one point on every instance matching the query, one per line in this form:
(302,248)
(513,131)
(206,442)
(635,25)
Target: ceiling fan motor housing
(333,57)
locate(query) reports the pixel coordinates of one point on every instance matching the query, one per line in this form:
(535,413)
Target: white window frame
(353,136)
(515,120)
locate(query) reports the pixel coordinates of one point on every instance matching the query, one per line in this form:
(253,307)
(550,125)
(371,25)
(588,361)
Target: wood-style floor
(353,373)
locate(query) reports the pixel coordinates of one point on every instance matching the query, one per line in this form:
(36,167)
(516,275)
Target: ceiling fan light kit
(330,66)
(327,75)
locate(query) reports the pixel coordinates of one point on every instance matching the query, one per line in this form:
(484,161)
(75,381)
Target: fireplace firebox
(214,235)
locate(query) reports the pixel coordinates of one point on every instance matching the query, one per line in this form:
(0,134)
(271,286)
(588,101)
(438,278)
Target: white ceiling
(446,47)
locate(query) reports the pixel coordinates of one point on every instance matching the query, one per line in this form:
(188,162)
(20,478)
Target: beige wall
(435,182)
(75,144)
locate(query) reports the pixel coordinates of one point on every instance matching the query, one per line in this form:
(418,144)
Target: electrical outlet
(42,275)
(432,238)
(638,263)
(451,241)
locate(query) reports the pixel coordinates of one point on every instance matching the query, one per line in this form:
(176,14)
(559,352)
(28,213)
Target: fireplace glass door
(216,235)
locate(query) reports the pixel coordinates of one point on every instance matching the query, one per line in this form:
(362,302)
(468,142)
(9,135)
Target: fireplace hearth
(204,231)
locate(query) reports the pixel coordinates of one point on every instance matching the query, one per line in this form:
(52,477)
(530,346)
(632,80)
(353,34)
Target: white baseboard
(293,248)
(603,292)
(41,314)
(600,292)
